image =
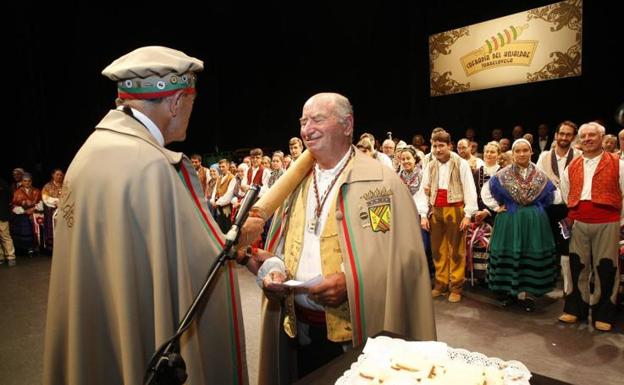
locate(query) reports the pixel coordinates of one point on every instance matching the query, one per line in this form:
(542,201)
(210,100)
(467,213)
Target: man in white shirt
(380,156)
(464,149)
(222,196)
(256,174)
(554,163)
(446,200)
(593,186)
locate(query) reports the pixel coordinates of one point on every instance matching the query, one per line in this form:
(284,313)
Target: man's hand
(273,287)
(331,292)
(464,224)
(424,223)
(256,259)
(251,231)
(481,215)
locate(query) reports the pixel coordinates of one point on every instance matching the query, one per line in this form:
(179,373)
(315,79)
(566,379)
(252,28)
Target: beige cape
(133,245)
(387,275)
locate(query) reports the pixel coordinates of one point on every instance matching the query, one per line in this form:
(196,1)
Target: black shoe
(507,300)
(528,304)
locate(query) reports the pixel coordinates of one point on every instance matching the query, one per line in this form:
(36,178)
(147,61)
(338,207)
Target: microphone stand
(167,367)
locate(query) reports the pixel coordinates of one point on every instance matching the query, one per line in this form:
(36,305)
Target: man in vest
(222,196)
(592,186)
(256,174)
(554,162)
(350,223)
(202,172)
(446,200)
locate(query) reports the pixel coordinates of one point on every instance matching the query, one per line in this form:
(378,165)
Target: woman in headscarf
(522,249)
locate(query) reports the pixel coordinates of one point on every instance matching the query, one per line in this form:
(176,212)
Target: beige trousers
(7,250)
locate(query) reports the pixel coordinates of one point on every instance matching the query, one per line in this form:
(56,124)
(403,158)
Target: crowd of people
(515,218)
(27,215)
(130,257)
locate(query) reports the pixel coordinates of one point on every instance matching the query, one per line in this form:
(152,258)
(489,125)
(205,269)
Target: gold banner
(539,44)
(519,53)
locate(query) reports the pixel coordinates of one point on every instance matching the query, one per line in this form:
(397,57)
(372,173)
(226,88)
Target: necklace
(313,223)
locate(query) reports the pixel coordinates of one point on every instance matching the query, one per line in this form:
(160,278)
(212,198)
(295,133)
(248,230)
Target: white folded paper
(307,284)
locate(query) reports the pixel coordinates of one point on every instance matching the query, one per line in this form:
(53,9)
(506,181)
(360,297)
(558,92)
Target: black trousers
(320,352)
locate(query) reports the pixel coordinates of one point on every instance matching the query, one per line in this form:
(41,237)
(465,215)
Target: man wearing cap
(129,258)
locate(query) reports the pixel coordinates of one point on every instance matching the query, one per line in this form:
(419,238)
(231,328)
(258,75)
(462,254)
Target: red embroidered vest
(605,186)
(258,178)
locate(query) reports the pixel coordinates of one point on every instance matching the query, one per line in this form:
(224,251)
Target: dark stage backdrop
(264,59)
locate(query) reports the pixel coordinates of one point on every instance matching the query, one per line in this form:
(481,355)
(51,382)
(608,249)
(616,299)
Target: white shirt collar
(565,156)
(333,171)
(147,122)
(594,159)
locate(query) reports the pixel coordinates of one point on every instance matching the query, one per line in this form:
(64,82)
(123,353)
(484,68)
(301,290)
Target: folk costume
(51,194)
(129,260)
(593,190)
(362,232)
(522,249)
(448,195)
(27,219)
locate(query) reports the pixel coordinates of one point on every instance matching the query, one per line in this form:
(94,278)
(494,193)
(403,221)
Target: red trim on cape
(356,285)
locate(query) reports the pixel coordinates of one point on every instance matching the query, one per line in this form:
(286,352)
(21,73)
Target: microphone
(243,212)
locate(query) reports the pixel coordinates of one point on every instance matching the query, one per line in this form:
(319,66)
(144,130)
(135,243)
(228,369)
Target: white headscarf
(521,140)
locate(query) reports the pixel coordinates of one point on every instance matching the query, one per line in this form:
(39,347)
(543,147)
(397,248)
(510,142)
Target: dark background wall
(264,59)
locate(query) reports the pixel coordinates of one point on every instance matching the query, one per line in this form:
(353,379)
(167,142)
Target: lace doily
(382,348)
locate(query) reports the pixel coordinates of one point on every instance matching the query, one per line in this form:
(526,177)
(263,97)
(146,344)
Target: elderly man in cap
(130,257)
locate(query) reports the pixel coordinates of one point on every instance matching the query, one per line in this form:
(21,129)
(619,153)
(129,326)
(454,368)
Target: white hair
(388,141)
(594,125)
(342,106)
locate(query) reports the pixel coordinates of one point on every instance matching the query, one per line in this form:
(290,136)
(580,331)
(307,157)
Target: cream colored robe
(133,246)
(387,275)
